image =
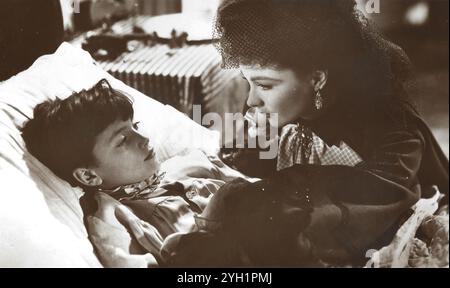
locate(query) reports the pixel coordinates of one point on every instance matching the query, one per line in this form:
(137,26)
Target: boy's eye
(123,141)
(136,125)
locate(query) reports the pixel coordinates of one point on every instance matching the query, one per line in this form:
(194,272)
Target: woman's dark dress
(401,161)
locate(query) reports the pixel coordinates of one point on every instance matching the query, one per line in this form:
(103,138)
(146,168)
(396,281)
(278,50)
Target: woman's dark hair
(257,228)
(62,132)
(365,70)
(205,249)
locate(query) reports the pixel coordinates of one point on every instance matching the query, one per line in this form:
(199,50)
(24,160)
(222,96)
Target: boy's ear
(87,177)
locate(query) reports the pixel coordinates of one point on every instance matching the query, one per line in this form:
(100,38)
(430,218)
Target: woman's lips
(150,155)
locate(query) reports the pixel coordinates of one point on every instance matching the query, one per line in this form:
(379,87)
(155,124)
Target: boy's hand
(145,234)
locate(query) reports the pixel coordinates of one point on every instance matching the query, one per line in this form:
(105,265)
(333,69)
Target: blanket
(421,242)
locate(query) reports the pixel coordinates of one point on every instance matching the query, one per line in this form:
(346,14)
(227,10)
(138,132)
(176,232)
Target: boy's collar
(135,190)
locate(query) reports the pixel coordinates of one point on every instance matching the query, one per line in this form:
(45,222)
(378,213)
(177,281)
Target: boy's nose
(143,142)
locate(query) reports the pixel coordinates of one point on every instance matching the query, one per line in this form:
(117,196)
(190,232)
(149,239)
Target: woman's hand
(197,164)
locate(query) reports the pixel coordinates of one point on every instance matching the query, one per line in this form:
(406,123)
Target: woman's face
(274,90)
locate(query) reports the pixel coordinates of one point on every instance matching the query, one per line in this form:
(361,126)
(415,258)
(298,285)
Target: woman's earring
(318,100)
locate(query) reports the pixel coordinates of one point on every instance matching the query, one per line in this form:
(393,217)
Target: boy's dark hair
(62,132)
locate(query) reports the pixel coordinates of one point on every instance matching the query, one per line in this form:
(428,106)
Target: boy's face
(123,156)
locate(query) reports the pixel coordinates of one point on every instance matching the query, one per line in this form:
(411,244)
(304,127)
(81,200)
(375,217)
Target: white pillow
(40,217)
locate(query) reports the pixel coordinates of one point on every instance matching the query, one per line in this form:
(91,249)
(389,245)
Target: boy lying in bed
(131,202)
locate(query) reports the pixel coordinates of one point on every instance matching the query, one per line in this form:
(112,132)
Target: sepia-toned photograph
(224,134)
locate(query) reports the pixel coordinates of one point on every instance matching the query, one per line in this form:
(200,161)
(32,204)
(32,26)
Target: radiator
(180,77)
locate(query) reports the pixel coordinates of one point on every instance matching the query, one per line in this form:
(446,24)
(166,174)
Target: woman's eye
(265,87)
(136,125)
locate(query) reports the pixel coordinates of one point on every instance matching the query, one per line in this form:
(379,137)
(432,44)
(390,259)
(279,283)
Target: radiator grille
(179,77)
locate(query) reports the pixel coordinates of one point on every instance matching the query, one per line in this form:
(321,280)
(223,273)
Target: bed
(40,217)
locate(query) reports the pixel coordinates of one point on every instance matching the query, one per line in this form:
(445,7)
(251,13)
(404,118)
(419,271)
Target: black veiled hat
(365,69)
